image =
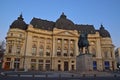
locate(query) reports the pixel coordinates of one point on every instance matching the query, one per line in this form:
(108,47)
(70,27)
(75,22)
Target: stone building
(117,55)
(47,45)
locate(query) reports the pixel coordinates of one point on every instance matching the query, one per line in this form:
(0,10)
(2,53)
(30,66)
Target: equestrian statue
(83,43)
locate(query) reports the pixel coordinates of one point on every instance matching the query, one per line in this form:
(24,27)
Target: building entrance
(65,66)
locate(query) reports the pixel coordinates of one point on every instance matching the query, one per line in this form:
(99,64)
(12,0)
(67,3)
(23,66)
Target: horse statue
(83,43)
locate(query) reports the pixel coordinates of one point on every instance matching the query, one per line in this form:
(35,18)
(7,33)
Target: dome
(103,32)
(19,23)
(64,23)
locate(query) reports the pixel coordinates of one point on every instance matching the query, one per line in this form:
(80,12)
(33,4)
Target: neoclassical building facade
(46,45)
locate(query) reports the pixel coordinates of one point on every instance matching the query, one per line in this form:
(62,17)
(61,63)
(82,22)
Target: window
(47,61)
(10,49)
(65,52)
(72,66)
(48,41)
(94,65)
(65,41)
(105,54)
(20,35)
(59,51)
(71,53)
(59,41)
(40,61)
(107,65)
(72,61)
(11,34)
(72,41)
(18,50)
(8,59)
(17,63)
(59,61)
(33,60)
(48,51)
(34,50)
(41,51)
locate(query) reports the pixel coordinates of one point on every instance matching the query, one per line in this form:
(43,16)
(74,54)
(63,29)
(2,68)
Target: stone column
(44,54)
(69,47)
(54,46)
(37,62)
(76,50)
(44,63)
(38,46)
(98,48)
(62,47)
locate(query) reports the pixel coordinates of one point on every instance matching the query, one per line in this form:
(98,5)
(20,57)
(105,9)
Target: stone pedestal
(84,62)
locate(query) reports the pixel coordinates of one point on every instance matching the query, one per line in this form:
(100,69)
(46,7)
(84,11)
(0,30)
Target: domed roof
(19,23)
(103,32)
(64,23)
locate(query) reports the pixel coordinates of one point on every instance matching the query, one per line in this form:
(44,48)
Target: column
(98,48)
(69,47)
(76,50)
(38,44)
(37,62)
(62,47)
(44,54)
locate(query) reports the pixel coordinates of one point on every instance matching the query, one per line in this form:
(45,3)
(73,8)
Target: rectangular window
(34,50)
(18,50)
(41,52)
(47,67)
(33,60)
(47,61)
(10,49)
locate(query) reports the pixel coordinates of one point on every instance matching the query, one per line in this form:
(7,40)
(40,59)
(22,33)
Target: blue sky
(94,12)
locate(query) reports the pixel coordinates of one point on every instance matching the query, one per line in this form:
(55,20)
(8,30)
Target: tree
(2,50)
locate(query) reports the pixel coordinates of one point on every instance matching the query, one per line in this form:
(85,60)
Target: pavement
(58,75)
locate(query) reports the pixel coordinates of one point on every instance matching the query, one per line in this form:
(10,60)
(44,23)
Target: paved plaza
(53,75)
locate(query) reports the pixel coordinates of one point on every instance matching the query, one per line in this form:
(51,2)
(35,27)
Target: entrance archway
(65,65)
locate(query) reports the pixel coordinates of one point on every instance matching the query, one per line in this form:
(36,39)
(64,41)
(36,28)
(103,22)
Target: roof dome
(19,23)
(64,23)
(103,32)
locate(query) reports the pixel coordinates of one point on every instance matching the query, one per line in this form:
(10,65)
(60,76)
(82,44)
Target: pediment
(66,33)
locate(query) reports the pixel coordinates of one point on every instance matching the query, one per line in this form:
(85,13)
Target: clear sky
(93,12)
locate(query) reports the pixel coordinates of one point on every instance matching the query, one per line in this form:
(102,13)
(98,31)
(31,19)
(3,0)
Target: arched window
(34,49)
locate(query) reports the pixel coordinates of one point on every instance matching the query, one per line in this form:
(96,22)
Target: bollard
(5,74)
(83,75)
(94,75)
(33,75)
(59,77)
(115,75)
(72,75)
(18,75)
(46,76)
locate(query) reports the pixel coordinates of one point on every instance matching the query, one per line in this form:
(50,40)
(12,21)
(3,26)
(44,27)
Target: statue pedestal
(84,62)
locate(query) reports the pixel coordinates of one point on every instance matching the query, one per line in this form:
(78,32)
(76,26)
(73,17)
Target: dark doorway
(65,66)
(7,66)
(59,67)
